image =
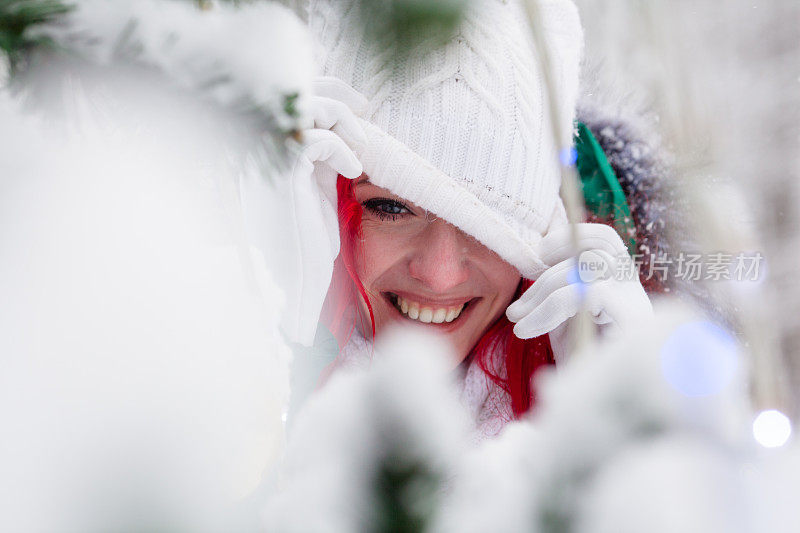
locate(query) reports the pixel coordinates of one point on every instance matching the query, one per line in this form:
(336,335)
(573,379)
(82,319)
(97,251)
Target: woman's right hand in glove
(614,296)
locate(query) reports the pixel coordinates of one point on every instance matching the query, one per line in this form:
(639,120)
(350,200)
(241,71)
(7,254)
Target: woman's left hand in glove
(294,218)
(601,280)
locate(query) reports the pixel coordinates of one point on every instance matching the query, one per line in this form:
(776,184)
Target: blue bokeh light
(700,358)
(574,278)
(568,156)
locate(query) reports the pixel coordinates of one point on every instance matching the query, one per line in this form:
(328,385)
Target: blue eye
(386,208)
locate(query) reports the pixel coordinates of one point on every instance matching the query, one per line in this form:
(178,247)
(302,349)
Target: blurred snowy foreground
(141,361)
(647,433)
(142,373)
(143,376)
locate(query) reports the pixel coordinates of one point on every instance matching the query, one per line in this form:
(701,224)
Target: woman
(448,199)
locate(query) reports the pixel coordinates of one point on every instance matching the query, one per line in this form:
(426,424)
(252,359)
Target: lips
(427,312)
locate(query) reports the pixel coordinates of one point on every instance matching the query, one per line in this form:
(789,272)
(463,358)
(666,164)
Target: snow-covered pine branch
(253,59)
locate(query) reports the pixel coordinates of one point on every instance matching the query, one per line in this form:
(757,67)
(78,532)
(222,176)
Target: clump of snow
(772,481)
(673,484)
(612,398)
(255,57)
(495,485)
(402,415)
(143,374)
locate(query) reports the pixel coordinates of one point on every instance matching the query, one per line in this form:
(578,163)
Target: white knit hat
(463,130)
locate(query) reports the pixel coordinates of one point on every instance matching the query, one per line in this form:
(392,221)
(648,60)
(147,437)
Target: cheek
(503,277)
(500,275)
(379,253)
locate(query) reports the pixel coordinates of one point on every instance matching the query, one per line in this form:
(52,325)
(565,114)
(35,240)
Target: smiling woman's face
(420,270)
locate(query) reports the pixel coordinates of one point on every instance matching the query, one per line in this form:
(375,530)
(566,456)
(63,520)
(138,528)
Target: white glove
(613,296)
(301,212)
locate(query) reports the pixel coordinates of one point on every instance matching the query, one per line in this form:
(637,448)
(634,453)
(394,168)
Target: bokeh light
(568,156)
(700,358)
(771,428)
(574,278)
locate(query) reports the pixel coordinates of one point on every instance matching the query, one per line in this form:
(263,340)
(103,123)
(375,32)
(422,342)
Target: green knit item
(602,192)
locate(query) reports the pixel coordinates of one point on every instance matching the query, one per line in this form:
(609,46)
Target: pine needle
(18,17)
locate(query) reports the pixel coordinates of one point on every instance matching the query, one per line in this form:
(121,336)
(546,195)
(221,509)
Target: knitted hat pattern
(462,130)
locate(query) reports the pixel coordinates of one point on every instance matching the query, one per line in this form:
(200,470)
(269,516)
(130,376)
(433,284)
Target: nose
(440,257)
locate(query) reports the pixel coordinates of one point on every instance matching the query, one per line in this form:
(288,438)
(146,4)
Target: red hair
(519,360)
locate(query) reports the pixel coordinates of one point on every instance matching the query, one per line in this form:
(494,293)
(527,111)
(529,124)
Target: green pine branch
(17,17)
(404,24)
(405,496)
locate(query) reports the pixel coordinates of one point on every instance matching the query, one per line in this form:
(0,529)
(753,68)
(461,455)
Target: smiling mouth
(424,313)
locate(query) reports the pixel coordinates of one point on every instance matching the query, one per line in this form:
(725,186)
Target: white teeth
(425,315)
(414,311)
